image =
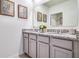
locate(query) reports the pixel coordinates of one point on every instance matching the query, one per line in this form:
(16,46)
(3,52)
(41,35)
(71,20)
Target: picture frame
(22,12)
(7,8)
(39,16)
(44,18)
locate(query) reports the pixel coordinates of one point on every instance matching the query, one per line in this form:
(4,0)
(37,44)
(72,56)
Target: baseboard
(15,56)
(27,55)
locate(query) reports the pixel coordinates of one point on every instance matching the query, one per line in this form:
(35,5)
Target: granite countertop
(64,36)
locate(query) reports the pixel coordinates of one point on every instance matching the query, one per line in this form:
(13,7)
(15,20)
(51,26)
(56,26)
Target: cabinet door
(26,45)
(56,52)
(43,50)
(32,48)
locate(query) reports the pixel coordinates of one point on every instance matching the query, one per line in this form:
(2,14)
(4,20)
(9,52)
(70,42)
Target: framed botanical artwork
(22,12)
(7,8)
(44,18)
(39,16)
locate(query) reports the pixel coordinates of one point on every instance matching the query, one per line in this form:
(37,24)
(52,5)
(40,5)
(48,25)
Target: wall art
(7,8)
(44,18)
(39,16)
(22,12)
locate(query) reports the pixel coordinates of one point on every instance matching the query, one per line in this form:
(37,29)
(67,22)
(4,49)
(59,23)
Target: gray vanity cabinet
(57,52)
(46,46)
(43,47)
(61,48)
(25,43)
(32,45)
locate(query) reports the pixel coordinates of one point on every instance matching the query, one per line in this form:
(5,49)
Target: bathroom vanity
(59,43)
(50,45)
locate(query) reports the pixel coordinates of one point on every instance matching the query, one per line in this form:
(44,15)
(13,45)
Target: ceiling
(39,2)
(53,2)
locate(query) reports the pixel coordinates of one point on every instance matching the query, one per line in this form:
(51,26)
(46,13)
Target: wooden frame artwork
(22,12)
(44,18)
(39,16)
(7,8)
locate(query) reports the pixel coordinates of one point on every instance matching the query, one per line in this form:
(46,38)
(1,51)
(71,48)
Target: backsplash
(62,31)
(56,31)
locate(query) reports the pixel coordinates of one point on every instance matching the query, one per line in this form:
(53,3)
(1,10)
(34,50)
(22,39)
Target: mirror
(56,19)
(55,13)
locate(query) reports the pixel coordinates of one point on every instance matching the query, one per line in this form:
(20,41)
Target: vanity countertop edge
(64,36)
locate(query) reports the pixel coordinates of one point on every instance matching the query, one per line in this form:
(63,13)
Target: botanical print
(11,7)
(7,7)
(44,18)
(39,16)
(22,12)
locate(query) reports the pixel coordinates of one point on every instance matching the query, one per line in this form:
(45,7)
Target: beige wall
(11,31)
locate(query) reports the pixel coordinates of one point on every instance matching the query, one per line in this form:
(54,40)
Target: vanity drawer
(62,43)
(25,35)
(43,38)
(32,36)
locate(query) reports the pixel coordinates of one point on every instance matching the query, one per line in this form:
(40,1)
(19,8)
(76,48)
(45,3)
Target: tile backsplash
(62,31)
(56,31)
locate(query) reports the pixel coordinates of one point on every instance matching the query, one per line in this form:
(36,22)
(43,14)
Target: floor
(24,56)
